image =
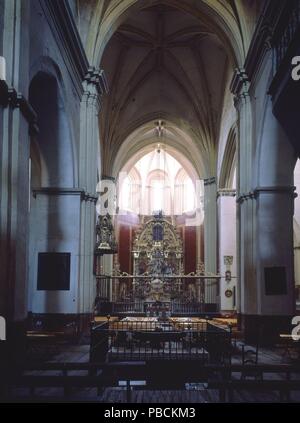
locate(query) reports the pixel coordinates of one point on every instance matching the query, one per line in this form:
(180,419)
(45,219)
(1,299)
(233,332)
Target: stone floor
(194,393)
(80,353)
(118,395)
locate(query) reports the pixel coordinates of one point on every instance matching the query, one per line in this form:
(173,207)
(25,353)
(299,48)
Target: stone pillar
(246,290)
(14,197)
(55,227)
(210,238)
(274,243)
(94,86)
(273,235)
(198,244)
(265,211)
(16,120)
(227,246)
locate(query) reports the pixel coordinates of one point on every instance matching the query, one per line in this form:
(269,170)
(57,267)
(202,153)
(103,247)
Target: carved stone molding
(97,78)
(245,197)
(226,192)
(279,189)
(228,260)
(84,196)
(210,181)
(290,190)
(276,26)
(95,85)
(110,178)
(239,82)
(10,97)
(239,86)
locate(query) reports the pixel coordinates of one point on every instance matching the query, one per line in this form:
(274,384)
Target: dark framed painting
(53,272)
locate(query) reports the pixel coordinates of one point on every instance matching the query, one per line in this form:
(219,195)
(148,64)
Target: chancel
(150,222)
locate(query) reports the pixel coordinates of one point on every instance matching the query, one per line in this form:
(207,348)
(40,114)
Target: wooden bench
(220,377)
(289,343)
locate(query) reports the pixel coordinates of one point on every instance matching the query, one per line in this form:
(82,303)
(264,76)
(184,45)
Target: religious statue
(105,236)
(156,266)
(123,291)
(192,292)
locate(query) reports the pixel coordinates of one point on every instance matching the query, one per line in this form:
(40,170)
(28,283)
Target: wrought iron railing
(128,307)
(182,294)
(150,339)
(179,307)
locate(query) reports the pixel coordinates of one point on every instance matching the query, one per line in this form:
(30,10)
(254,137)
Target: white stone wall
(229,118)
(227,246)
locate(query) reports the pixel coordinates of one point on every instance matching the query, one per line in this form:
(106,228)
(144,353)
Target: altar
(157,256)
(158,285)
(158,309)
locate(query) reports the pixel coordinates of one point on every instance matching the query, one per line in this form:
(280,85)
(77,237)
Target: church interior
(150,222)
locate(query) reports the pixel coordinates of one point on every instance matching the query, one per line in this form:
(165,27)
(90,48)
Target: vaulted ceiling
(163,64)
(167,60)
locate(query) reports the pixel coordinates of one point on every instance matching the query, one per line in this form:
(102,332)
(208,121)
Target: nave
(194,392)
(150,221)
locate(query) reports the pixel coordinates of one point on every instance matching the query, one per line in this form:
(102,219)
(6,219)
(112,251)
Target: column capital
(95,85)
(110,178)
(97,78)
(240,82)
(245,196)
(58,191)
(239,86)
(9,96)
(224,192)
(277,189)
(210,181)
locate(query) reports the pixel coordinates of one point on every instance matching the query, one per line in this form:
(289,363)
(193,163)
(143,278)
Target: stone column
(210,237)
(94,86)
(274,245)
(246,290)
(16,120)
(227,246)
(265,211)
(273,236)
(198,244)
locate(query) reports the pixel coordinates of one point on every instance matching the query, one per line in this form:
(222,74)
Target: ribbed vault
(175,141)
(233,20)
(168,60)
